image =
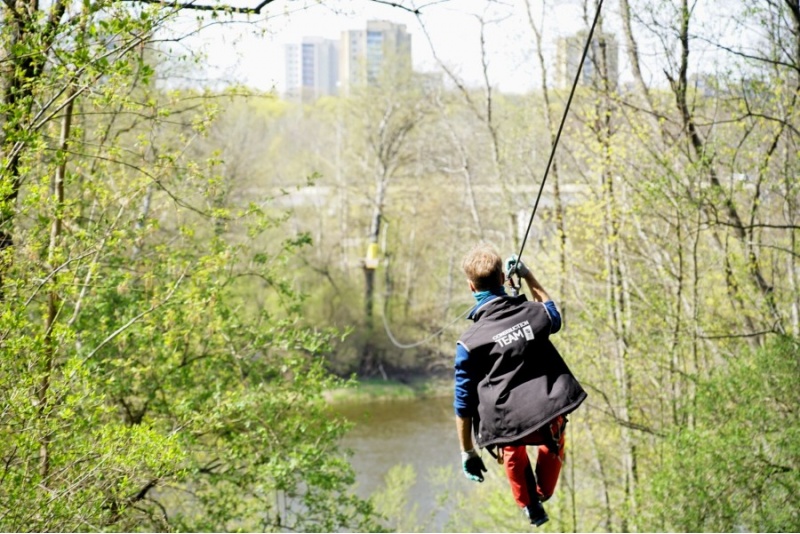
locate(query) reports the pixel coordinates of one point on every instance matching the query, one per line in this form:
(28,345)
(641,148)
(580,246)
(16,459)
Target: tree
(142,388)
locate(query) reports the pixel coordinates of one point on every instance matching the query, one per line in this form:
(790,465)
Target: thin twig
(53,273)
(127,325)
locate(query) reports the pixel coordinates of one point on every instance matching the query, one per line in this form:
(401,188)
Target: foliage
(178,270)
(489,507)
(156,372)
(736,466)
(393,501)
(668,237)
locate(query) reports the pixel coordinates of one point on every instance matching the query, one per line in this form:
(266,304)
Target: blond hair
(483,267)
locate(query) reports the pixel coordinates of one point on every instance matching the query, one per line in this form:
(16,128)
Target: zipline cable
(538,196)
(561,126)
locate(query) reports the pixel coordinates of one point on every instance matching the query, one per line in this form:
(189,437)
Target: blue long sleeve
(555,316)
(466,395)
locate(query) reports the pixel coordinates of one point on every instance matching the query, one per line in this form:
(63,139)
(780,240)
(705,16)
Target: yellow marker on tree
(371,261)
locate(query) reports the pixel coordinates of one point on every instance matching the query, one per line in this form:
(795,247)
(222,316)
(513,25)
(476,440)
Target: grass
(372,389)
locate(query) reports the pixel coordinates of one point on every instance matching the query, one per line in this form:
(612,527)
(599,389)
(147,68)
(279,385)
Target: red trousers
(524,485)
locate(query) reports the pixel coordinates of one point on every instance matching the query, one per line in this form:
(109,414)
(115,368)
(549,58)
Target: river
(417,432)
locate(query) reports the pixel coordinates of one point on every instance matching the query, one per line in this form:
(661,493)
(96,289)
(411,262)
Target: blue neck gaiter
(482,296)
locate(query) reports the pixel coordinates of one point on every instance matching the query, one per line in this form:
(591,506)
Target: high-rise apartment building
(365,53)
(604,50)
(312,68)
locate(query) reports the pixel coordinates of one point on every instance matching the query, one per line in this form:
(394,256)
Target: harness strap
(554,435)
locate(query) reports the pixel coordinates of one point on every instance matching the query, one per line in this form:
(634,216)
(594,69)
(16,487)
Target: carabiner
(514,287)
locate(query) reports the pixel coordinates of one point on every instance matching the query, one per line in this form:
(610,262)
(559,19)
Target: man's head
(484,268)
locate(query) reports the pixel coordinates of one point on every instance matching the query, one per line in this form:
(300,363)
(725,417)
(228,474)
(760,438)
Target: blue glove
(473,465)
(516,266)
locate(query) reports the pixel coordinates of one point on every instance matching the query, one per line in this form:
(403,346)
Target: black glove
(473,465)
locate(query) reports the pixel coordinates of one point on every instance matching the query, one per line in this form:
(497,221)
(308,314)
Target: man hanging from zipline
(511,385)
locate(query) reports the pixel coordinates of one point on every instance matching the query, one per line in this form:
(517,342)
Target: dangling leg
(517,464)
(548,463)
(523,483)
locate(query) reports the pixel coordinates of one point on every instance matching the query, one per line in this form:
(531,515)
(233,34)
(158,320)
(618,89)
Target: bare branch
(450,74)
(256,10)
(53,273)
(732,336)
(779,249)
(142,493)
(415,11)
(627,423)
(744,54)
(205,7)
(761,225)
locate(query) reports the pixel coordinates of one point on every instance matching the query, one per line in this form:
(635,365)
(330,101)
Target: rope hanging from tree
(400,345)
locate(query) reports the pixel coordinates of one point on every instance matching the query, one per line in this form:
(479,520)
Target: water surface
(419,432)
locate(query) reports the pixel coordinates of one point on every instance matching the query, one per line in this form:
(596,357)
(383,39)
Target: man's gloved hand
(473,465)
(516,266)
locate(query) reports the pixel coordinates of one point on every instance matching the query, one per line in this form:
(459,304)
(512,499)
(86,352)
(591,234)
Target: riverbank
(377,389)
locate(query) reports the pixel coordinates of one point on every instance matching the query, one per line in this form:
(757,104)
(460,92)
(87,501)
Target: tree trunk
(53,301)
(24,67)
(368,363)
(561,228)
(497,164)
(703,156)
(617,286)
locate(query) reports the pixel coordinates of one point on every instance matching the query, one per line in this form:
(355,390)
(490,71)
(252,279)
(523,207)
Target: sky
(252,52)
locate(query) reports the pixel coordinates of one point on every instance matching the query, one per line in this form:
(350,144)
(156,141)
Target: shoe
(536,514)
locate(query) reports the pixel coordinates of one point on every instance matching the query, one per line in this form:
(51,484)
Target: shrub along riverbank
(372,389)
